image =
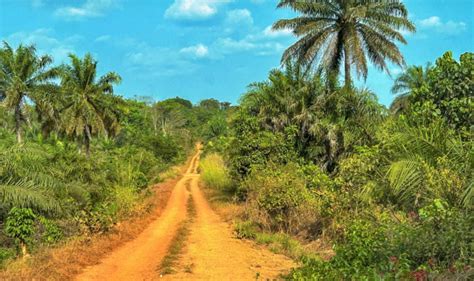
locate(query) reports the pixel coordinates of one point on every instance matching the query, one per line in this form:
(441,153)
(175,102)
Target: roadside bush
(387,247)
(278,198)
(214,172)
(20,226)
(5,255)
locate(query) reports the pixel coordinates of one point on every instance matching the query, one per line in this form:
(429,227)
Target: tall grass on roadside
(214,172)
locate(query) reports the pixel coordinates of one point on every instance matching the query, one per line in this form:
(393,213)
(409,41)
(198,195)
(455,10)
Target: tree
(414,77)
(88,110)
(447,93)
(23,75)
(331,31)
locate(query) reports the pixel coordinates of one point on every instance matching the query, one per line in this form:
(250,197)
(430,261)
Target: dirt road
(211,252)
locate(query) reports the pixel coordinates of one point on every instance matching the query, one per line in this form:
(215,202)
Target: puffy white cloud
(437,24)
(90,8)
(198,51)
(239,16)
(46,42)
(193,9)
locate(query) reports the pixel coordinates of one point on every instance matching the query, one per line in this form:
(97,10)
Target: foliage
(87,156)
(278,198)
(330,31)
(439,238)
(23,75)
(447,92)
(89,107)
(392,190)
(20,225)
(214,172)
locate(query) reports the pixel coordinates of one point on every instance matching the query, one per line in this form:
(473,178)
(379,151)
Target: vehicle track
(212,253)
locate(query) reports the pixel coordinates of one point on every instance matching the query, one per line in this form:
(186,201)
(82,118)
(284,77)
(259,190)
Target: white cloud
(431,21)
(103,38)
(155,60)
(47,43)
(198,51)
(269,32)
(90,8)
(437,24)
(249,43)
(193,9)
(239,16)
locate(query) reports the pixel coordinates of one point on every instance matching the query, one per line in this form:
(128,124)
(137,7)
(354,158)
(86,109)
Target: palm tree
(414,77)
(23,75)
(88,108)
(331,31)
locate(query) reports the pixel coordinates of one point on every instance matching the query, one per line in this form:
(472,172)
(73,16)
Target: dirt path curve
(140,258)
(214,254)
(211,252)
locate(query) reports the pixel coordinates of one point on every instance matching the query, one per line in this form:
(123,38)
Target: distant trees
(337,32)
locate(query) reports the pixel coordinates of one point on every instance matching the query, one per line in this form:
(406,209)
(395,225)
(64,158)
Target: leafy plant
(20,225)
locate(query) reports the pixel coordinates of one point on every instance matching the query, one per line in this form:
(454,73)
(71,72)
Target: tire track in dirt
(139,258)
(214,254)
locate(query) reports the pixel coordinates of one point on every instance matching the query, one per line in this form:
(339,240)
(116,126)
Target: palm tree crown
(331,31)
(23,74)
(414,77)
(88,102)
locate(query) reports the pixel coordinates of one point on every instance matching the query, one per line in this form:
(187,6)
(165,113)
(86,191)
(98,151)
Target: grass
(214,172)
(170,261)
(279,243)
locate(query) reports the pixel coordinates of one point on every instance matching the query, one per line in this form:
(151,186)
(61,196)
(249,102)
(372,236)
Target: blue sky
(201,49)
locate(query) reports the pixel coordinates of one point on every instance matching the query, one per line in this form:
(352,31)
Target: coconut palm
(353,31)
(88,108)
(23,75)
(414,77)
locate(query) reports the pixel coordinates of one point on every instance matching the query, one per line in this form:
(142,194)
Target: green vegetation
(316,162)
(74,157)
(332,31)
(214,172)
(311,159)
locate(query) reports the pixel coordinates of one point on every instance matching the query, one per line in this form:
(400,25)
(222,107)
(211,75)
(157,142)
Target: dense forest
(317,162)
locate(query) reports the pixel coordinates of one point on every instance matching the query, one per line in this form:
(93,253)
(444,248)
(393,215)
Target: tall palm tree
(332,31)
(414,77)
(23,74)
(88,108)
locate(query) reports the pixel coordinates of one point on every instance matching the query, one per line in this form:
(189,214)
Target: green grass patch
(279,243)
(214,172)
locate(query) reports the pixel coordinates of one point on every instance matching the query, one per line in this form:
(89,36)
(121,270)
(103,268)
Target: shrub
(214,172)
(279,199)
(437,240)
(51,233)
(5,255)
(246,230)
(20,225)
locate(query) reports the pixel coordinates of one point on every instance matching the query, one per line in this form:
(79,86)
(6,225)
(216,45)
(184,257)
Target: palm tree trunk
(347,67)
(87,140)
(18,124)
